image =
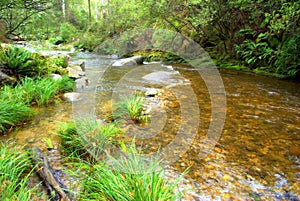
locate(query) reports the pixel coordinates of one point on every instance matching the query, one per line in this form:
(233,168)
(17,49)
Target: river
(257,156)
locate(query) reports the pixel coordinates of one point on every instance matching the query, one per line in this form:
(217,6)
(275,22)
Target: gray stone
(151,92)
(131,61)
(55,76)
(81,83)
(72,96)
(80,63)
(75,72)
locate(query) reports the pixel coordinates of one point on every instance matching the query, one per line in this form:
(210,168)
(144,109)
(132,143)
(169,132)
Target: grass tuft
(131,108)
(13,174)
(130,177)
(12,113)
(88,139)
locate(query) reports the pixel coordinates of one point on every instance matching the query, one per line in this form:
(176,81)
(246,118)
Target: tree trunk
(90,12)
(96,10)
(63,6)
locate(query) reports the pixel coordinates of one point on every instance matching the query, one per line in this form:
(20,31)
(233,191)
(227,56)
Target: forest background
(259,35)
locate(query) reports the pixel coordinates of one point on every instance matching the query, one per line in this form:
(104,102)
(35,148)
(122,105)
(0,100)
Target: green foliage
(88,41)
(67,31)
(130,177)
(60,61)
(16,14)
(20,63)
(70,141)
(256,54)
(288,62)
(17,62)
(12,113)
(65,84)
(13,174)
(87,139)
(41,91)
(44,91)
(131,108)
(15,102)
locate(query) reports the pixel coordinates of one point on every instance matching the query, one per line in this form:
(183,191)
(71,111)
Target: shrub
(17,62)
(288,62)
(13,174)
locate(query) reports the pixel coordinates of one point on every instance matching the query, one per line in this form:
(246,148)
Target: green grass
(12,113)
(14,174)
(44,91)
(128,178)
(87,139)
(65,84)
(15,103)
(131,108)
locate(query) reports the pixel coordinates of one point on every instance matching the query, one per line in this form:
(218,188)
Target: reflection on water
(258,154)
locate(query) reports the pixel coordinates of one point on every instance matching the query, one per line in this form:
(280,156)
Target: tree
(15,14)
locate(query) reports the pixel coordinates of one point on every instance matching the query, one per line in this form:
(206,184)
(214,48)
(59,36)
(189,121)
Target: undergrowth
(14,174)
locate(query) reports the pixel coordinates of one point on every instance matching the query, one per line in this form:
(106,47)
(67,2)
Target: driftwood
(56,188)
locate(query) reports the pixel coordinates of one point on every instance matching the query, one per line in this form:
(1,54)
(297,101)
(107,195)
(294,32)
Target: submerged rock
(131,61)
(82,82)
(72,96)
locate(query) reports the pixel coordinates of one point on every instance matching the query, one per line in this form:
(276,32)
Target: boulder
(131,61)
(75,72)
(72,96)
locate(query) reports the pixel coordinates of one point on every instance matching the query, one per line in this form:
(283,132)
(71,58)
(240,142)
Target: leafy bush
(13,174)
(17,62)
(288,61)
(255,54)
(67,31)
(88,41)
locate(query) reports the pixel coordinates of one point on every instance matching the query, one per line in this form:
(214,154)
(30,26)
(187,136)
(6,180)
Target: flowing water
(257,156)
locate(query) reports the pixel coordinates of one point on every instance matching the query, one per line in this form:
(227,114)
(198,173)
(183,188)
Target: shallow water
(257,156)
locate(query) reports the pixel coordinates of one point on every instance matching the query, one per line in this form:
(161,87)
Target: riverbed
(257,156)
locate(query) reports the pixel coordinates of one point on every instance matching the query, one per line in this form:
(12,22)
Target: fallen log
(57,190)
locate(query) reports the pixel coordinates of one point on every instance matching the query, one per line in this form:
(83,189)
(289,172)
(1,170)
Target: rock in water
(151,92)
(72,96)
(75,72)
(131,61)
